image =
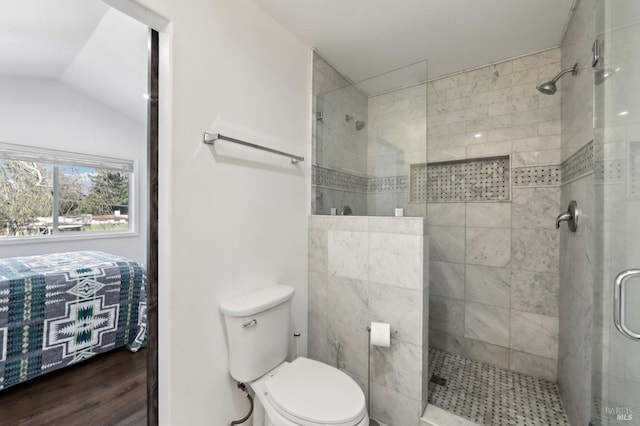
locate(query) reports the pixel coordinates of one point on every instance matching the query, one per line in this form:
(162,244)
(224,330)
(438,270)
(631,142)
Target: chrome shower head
(359,124)
(549,87)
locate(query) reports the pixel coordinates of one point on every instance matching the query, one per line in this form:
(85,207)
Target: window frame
(59,158)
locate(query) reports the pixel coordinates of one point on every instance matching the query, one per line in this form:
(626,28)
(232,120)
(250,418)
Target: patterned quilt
(59,309)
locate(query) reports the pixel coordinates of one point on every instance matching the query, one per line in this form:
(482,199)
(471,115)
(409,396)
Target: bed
(60,309)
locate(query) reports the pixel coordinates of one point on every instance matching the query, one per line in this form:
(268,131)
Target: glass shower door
(616,337)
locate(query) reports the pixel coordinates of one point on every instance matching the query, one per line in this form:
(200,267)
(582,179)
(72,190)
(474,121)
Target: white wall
(48,114)
(232,220)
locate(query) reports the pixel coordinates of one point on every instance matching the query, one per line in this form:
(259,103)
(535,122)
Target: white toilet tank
(258,331)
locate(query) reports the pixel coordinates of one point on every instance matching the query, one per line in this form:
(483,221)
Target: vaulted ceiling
(85,44)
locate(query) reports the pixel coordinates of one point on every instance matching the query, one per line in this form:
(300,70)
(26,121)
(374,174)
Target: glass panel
(616,366)
(93,200)
(26,198)
(370,138)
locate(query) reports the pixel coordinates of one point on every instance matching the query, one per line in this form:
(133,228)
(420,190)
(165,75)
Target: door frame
(152,231)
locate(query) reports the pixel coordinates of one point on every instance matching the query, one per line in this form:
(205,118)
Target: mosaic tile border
(336,179)
(475,179)
(537,176)
(492,396)
(579,164)
(388,184)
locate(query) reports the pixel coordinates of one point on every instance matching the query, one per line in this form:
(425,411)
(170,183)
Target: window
(48,193)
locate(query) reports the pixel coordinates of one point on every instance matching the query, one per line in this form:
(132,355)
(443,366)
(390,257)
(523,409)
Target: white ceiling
(366,38)
(85,44)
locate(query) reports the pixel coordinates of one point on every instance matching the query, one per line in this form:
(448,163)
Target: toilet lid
(316,393)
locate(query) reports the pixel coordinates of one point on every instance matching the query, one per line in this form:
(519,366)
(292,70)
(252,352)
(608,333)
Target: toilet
(303,392)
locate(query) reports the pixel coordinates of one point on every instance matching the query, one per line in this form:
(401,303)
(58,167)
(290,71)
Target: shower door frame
(615,384)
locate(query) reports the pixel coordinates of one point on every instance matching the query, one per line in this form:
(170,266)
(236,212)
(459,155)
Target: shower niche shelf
(474,179)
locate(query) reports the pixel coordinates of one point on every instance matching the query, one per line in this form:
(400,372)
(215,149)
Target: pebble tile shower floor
(492,396)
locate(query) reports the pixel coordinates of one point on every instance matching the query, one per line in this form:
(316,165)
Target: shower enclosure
(369,156)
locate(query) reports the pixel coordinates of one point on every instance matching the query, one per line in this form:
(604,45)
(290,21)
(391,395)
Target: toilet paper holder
(393,332)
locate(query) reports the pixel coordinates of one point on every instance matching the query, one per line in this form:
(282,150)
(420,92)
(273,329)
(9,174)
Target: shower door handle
(619,302)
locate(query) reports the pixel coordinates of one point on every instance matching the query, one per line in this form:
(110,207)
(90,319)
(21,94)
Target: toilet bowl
(308,393)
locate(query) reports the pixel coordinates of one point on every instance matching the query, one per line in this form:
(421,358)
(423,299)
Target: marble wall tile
(347,317)
(447,243)
(447,279)
(513,119)
(426,271)
(397,368)
(514,132)
(446,341)
(488,285)
(317,250)
(398,225)
(535,208)
(435,154)
(318,339)
(340,223)
(538,143)
(578,333)
(396,260)
(486,323)
(446,315)
(535,292)
(487,353)
(534,334)
(535,250)
(536,158)
(446,214)
(399,307)
(492,215)
(318,284)
(416,210)
(549,128)
(487,123)
(488,246)
(348,254)
(533,365)
(393,408)
(539,115)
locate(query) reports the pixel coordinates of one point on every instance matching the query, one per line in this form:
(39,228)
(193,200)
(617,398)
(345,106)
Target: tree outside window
(88,199)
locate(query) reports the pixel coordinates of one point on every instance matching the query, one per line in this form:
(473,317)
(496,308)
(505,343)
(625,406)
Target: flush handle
(251,323)
(619,302)
(570,216)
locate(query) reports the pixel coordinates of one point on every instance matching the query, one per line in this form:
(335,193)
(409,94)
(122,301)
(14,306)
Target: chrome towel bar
(211,138)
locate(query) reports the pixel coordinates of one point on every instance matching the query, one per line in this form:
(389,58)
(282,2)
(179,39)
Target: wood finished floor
(109,389)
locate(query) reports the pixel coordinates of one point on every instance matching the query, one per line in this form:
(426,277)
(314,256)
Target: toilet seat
(310,393)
